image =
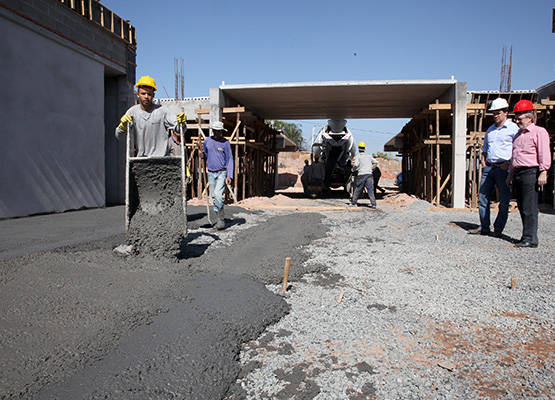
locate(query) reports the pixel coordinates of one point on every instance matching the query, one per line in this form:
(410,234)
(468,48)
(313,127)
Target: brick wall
(66,23)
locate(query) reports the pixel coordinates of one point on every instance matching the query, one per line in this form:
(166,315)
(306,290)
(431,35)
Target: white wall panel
(51,125)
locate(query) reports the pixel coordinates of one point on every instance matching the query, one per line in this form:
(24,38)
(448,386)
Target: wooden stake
(513,283)
(286,274)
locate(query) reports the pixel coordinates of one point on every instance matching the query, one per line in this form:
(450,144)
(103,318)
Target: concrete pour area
(398,302)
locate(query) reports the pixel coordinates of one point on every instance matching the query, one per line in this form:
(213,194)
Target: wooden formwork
(427,147)
(253,144)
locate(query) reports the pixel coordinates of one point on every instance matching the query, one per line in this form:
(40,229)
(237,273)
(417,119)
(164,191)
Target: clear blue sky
(246,41)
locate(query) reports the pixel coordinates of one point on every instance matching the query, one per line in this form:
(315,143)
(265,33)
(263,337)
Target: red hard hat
(523,105)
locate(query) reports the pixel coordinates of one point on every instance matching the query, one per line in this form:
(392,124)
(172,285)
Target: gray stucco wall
(52,153)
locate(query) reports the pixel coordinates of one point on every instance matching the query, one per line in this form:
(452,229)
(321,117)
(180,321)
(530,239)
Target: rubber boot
(220,223)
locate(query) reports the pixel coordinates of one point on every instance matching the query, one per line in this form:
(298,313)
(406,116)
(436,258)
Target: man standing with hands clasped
(530,161)
(496,153)
(216,150)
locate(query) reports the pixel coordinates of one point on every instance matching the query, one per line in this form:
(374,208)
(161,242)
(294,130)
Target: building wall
(52,157)
(66,82)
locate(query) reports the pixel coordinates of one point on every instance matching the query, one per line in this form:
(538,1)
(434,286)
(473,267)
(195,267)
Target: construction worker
(216,150)
(530,161)
(305,177)
(149,122)
(496,155)
(363,166)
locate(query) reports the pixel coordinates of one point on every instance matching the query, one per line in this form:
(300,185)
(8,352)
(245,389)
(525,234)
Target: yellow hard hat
(362,145)
(146,81)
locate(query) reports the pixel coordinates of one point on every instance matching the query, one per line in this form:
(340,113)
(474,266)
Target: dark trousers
(361,182)
(525,184)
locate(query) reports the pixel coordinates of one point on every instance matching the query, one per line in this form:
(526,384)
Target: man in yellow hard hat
(363,166)
(149,122)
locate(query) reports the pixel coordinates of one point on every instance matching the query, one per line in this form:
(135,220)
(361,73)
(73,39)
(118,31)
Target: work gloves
(181,118)
(125,120)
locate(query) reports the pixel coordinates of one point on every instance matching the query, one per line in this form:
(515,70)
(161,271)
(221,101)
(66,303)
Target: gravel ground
(412,307)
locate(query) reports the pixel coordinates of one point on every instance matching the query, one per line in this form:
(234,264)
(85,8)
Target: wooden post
(438,160)
(286,273)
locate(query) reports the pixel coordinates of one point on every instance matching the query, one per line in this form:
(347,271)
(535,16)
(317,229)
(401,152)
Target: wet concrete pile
(156,212)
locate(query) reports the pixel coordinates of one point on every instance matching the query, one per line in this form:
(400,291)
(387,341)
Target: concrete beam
(458,181)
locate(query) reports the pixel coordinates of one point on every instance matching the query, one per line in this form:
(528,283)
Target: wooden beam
(233,110)
(439,106)
(437,141)
(202,111)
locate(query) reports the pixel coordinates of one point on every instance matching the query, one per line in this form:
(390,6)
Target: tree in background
(292,131)
(383,155)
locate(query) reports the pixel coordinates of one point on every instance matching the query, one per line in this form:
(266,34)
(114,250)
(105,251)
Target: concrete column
(458,170)
(216,105)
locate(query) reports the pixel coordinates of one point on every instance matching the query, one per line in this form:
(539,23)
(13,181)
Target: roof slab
(340,99)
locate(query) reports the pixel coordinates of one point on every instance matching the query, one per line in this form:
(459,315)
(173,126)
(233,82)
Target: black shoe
(526,244)
(497,234)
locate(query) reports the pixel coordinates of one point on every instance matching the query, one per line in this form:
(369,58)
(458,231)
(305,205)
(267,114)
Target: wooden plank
(473,107)
(434,107)
(233,110)
(547,102)
(436,141)
(202,111)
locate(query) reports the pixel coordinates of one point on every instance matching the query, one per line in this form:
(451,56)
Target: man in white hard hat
(363,166)
(496,156)
(216,150)
(149,122)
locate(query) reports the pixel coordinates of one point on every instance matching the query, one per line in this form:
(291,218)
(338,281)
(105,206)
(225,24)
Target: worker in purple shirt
(216,150)
(530,161)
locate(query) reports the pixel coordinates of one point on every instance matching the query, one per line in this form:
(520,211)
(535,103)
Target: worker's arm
(125,122)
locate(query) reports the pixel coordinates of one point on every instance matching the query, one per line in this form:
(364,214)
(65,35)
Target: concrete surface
(80,321)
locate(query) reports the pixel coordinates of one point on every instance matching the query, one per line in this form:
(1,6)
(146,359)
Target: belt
(488,164)
(518,169)
(221,170)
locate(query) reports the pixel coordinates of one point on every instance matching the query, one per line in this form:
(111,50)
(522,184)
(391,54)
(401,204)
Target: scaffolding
(253,144)
(427,146)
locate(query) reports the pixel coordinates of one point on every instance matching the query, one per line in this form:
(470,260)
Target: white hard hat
(499,104)
(218,126)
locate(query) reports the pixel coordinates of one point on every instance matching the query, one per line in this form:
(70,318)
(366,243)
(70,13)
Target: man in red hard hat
(531,158)
(496,153)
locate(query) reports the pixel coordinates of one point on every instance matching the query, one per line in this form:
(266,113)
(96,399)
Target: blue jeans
(361,182)
(216,180)
(492,176)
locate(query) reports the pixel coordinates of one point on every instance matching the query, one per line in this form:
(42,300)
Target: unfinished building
(425,144)
(68,67)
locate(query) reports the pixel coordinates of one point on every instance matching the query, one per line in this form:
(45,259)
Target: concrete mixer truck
(335,148)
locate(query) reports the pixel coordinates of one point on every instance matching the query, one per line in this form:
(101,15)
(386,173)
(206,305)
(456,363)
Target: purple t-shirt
(218,155)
